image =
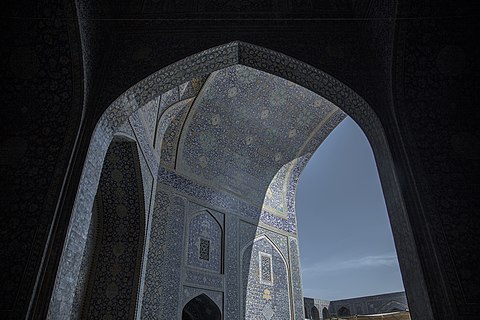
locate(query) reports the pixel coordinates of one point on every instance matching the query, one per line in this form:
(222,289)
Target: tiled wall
(173,199)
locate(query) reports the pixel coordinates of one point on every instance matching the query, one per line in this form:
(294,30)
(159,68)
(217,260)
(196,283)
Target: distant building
(317,309)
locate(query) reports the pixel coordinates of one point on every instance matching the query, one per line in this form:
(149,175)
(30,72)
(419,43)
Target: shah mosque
(150,152)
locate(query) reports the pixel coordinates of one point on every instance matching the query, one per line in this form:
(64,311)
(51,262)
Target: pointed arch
(205,63)
(201,308)
(315,313)
(325,313)
(205,241)
(168,130)
(270,241)
(209,212)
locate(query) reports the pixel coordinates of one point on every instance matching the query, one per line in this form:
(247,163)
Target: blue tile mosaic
(240,133)
(203,279)
(114,272)
(266,296)
(202,226)
(271,129)
(168,131)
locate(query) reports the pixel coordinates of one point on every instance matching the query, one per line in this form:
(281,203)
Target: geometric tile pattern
(278,176)
(149,115)
(204,252)
(113,278)
(163,270)
(296,280)
(265,283)
(244,126)
(266,276)
(204,246)
(169,128)
(204,279)
(87,261)
(156,261)
(232,268)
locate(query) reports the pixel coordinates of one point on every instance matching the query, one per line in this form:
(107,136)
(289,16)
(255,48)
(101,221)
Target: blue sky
(346,243)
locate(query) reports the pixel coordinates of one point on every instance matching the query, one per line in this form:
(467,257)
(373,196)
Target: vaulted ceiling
(245,125)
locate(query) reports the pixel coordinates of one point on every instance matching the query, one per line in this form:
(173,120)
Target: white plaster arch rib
(168,131)
(202,211)
(202,64)
(270,241)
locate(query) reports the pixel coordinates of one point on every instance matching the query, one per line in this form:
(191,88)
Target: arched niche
(315,313)
(114,272)
(201,65)
(343,312)
(201,308)
(325,313)
(264,274)
(204,242)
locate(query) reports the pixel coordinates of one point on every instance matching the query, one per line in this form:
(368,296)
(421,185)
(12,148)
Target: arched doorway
(201,308)
(315,313)
(235,53)
(325,314)
(343,312)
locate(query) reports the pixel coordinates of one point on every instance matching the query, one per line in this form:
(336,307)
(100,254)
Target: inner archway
(325,314)
(237,53)
(201,308)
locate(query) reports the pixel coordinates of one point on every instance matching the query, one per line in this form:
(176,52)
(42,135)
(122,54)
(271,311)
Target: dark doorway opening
(325,314)
(201,308)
